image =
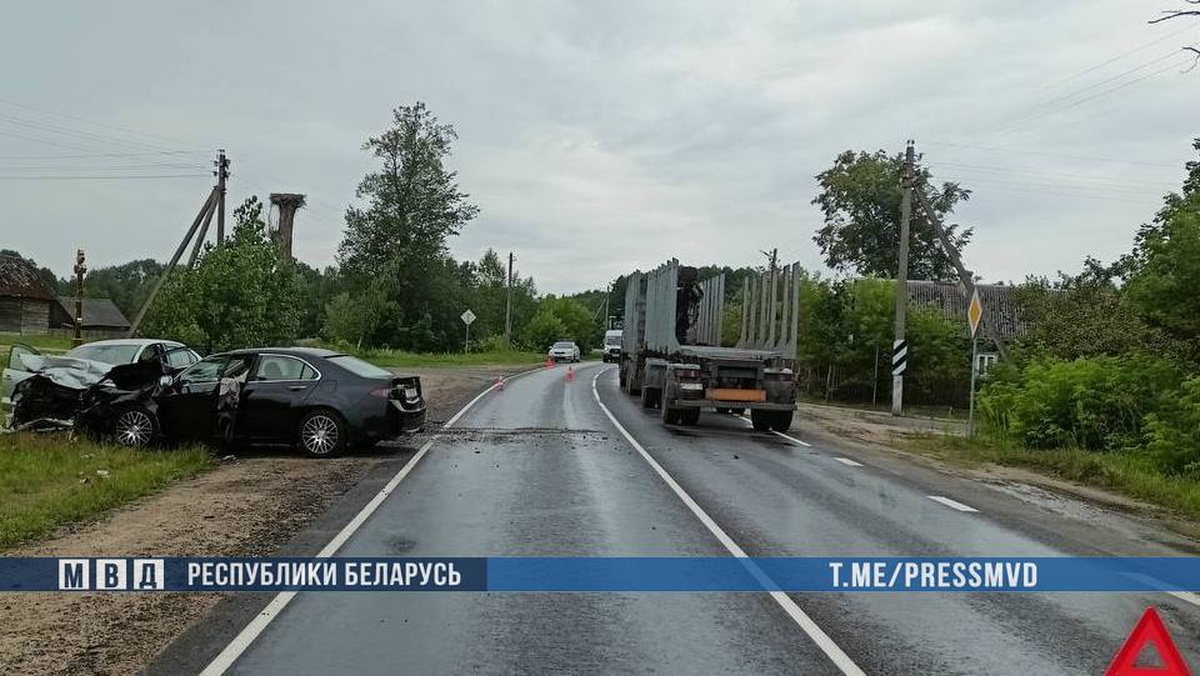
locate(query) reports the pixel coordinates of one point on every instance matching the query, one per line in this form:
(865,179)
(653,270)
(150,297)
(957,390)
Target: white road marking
(781,434)
(849,462)
(806,623)
(952,504)
(225,659)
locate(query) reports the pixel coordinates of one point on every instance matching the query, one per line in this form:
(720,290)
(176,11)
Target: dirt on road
(251,504)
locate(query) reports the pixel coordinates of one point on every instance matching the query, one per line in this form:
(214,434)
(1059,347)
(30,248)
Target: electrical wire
(98,178)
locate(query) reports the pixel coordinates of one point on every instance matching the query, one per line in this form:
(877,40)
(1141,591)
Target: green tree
(1162,274)
(127,284)
(241,293)
(542,330)
(397,239)
(860,198)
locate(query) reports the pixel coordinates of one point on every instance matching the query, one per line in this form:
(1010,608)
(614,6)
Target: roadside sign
(974,312)
(1148,631)
(467,317)
(899,357)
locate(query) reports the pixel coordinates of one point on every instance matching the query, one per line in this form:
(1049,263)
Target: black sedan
(318,400)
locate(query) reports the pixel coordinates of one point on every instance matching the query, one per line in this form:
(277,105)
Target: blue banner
(605,574)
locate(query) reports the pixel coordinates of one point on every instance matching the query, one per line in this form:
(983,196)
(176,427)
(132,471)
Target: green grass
(399,358)
(1128,474)
(38,342)
(48,480)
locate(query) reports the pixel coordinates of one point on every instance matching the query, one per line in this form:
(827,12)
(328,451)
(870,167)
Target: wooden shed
(25,300)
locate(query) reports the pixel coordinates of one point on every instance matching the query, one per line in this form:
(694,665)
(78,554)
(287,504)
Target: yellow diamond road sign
(974,312)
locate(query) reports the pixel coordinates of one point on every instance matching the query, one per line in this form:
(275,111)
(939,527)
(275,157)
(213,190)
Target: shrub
(1173,434)
(1099,403)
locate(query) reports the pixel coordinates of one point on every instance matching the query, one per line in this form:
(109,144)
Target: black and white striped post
(900,345)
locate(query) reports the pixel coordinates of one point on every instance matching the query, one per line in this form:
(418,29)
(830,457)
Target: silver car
(110,352)
(564,350)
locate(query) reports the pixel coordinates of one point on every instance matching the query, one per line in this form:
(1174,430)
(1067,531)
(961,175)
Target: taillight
(783,374)
(382,392)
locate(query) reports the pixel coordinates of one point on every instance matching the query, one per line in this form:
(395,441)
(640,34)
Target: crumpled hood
(70,372)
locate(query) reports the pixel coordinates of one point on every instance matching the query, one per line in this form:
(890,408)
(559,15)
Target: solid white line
(953,504)
(849,462)
(806,623)
(251,631)
(781,434)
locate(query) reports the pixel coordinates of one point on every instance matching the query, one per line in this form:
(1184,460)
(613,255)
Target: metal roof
(999,303)
(97,312)
(20,279)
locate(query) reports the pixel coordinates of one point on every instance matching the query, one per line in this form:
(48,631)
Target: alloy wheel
(320,434)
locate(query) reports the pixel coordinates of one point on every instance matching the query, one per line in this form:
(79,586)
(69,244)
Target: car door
(274,396)
(15,370)
(187,409)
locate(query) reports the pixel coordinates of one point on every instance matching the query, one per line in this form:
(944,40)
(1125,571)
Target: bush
(1101,403)
(1173,434)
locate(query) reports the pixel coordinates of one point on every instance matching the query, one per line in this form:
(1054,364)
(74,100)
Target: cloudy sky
(596,137)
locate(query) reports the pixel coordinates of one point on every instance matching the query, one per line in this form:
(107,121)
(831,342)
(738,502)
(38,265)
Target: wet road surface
(540,469)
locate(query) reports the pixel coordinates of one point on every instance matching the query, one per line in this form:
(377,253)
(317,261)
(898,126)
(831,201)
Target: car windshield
(612,340)
(359,367)
(120,353)
(564,346)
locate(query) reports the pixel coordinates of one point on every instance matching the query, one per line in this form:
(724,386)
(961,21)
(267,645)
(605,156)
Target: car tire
(782,421)
(690,416)
(135,427)
(321,434)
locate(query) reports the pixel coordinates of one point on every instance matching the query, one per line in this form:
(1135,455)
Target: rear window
(109,354)
(359,367)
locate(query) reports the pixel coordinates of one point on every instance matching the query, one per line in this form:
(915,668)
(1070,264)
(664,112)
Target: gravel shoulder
(252,504)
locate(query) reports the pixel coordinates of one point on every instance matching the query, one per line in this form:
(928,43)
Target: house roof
(19,278)
(999,303)
(97,312)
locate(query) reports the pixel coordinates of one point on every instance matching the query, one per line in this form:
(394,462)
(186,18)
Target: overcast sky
(597,137)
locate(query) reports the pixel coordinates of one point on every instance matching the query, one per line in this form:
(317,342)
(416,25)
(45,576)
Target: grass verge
(48,480)
(1129,474)
(398,358)
(52,344)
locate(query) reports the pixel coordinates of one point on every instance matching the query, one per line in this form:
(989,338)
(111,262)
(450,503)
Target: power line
(65,178)
(1122,55)
(87,121)
(1024,151)
(1079,102)
(149,153)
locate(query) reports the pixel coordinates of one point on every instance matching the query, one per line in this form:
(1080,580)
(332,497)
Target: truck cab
(612,346)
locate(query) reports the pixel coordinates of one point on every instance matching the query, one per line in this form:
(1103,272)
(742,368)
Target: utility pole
(80,269)
(222,173)
(508,304)
(964,275)
(899,345)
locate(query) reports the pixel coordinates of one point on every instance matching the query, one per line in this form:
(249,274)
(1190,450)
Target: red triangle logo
(1149,631)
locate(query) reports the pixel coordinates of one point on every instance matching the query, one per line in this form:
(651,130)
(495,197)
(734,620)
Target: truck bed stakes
(671,352)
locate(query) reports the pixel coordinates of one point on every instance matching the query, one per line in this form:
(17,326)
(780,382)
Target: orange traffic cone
(570,373)
(500,383)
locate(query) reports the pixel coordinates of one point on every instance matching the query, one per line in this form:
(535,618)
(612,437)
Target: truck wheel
(647,397)
(761,420)
(621,379)
(690,416)
(782,421)
(670,415)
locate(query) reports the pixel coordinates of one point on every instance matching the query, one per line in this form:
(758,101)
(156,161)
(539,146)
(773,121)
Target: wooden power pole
(508,304)
(899,344)
(222,176)
(80,269)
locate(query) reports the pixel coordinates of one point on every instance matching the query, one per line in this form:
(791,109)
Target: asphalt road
(540,469)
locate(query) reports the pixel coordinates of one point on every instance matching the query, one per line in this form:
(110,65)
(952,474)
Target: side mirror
(165,381)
